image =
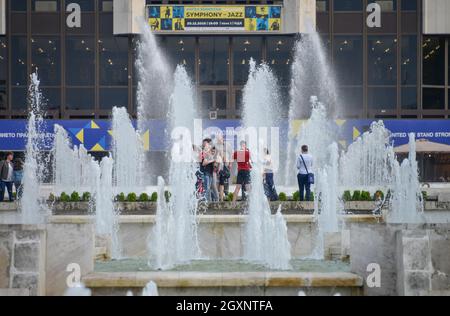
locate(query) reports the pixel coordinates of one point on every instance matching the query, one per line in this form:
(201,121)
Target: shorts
(224,176)
(243,177)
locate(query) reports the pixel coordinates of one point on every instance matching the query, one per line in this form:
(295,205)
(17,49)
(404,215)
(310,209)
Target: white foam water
(78,289)
(150,289)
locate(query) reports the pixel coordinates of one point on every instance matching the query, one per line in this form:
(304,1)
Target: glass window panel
(45,56)
(19,75)
(87,25)
(409,60)
(279,57)
(52,98)
(86,5)
(238,99)
(409,5)
(106,5)
(348,59)
(348,5)
(386,5)
(409,98)
(106,23)
(221,99)
(382,60)
(110,97)
(322,5)
(80,98)
(19,23)
(80,61)
(433,99)
(18,5)
(245,48)
(214,60)
(434,61)
(181,50)
(19,98)
(113,61)
(207,100)
(3,103)
(382,98)
(3,60)
(352,98)
(45,6)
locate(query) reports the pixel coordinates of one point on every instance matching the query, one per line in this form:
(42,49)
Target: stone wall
(22,259)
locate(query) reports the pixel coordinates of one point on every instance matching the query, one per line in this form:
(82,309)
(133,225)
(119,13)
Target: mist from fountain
(266,239)
(127,151)
(31,206)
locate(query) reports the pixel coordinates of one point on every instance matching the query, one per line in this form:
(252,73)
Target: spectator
(242,157)
(18,176)
(304,166)
(6,176)
(207,167)
(269,185)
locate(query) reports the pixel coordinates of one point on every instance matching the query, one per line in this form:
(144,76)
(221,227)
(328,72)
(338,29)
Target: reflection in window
(348,5)
(352,100)
(213,60)
(19,98)
(322,5)
(433,99)
(52,98)
(3,60)
(409,5)
(409,98)
(245,48)
(207,100)
(409,60)
(18,5)
(221,99)
(238,99)
(181,50)
(113,61)
(110,97)
(80,61)
(45,56)
(386,5)
(348,58)
(382,98)
(80,98)
(19,62)
(3,103)
(382,61)
(45,5)
(434,61)
(279,57)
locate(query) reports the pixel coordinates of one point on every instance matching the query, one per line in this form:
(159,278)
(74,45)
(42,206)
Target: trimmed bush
(230,196)
(52,197)
(167,195)
(296,196)
(121,197)
(282,196)
(424,195)
(154,197)
(131,197)
(86,197)
(311,197)
(347,196)
(379,195)
(144,197)
(356,195)
(75,197)
(64,197)
(365,196)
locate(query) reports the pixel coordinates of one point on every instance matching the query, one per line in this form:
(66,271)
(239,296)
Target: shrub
(131,197)
(121,197)
(378,195)
(144,197)
(282,196)
(86,197)
(52,197)
(296,196)
(356,195)
(167,195)
(347,196)
(365,196)
(154,197)
(424,195)
(75,197)
(64,197)
(230,196)
(311,197)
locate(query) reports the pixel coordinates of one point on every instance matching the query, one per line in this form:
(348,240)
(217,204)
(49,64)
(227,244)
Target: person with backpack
(305,177)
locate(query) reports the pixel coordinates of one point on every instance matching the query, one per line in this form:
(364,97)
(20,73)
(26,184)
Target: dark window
(45,56)
(409,98)
(110,97)
(244,49)
(3,60)
(221,99)
(106,24)
(322,5)
(52,98)
(3,103)
(113,61)
(207,100)
(348,5)
(18,5)
(19,75)
(105,5)
(181,50)
(19,23)
(80,98)
(80,61)
(86,5)
(382,60)
(433,99)
(434,61)
(386,5)
(238,99)
(348,59)
(213,60)
(45,5)
(382,98)
(279,57)
(409,5)
(352,100)
(409,60)
(19,98)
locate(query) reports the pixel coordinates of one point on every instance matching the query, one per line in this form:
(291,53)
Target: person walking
(207,168)
(304,175)
(269,185)
(18,176)
(242,157)
(224,156)
(6,177)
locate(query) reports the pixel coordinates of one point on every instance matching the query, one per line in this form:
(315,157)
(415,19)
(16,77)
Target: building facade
(387,70)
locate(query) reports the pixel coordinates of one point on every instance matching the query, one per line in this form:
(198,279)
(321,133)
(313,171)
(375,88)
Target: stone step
(101,253)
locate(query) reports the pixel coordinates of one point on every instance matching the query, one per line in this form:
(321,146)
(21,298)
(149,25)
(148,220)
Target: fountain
(266,235)
(151,289)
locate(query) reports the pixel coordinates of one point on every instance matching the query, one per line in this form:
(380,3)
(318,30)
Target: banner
(192,18)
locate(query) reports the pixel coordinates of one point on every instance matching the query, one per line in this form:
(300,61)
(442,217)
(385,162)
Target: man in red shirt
(242,157)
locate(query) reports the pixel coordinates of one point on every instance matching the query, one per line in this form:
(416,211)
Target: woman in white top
(269,185)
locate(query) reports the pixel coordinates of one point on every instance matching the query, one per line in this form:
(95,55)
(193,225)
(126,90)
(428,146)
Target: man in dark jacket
(6,176)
